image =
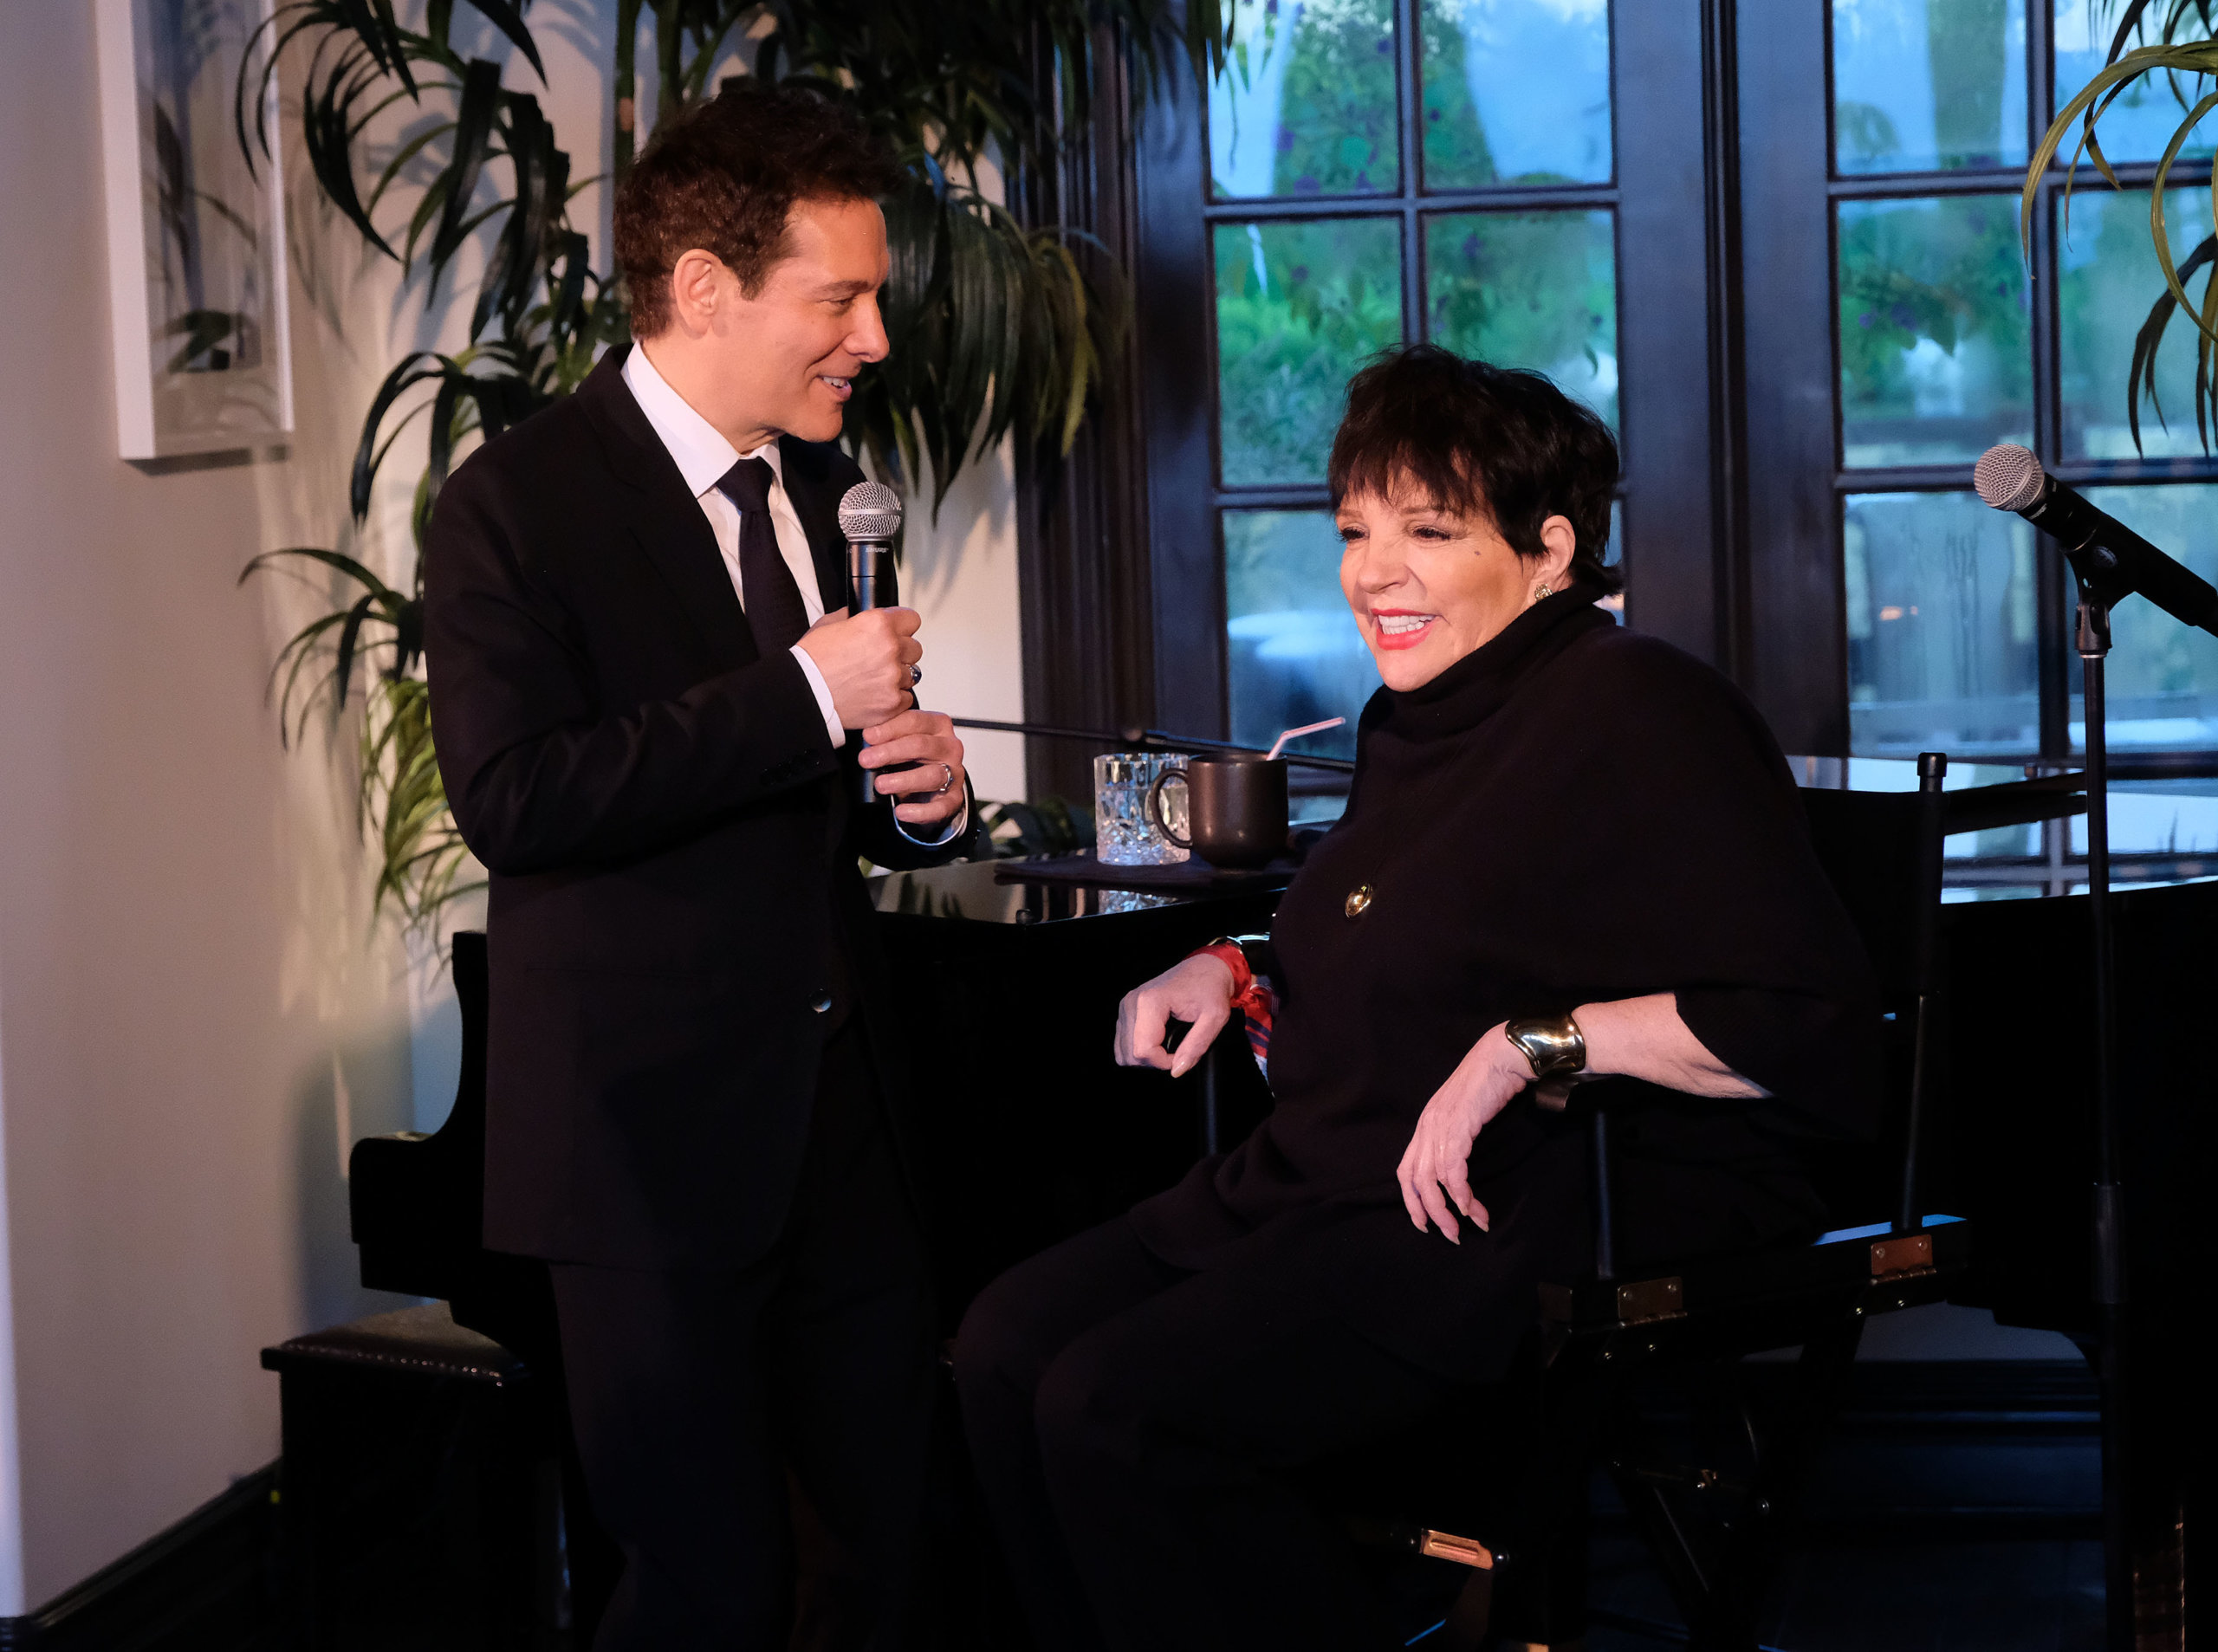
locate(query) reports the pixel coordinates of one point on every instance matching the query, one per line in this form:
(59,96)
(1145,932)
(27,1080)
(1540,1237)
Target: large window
(1337,229)
(1784,260)
(1949,340)
(1479,173)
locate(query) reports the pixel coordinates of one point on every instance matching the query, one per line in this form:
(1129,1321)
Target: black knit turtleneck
(1572,813)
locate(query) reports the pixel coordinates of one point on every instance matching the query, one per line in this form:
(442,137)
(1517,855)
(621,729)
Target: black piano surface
(1025,1130)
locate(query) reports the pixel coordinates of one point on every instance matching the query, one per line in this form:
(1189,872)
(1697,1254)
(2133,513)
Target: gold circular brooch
(1359,901)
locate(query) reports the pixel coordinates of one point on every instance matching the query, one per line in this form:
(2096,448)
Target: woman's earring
(1544,590)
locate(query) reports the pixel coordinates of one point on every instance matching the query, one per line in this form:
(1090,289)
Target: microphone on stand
(2106,553)
(870,515)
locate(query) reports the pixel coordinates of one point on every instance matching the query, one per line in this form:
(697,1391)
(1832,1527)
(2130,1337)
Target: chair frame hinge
(1644,1302)
(1447,1546)
(1901,1256)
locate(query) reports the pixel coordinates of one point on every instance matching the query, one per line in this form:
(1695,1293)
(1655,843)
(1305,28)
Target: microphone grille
(2008,477)
(870,511)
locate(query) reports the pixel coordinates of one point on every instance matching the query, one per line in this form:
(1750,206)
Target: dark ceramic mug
(1235,807)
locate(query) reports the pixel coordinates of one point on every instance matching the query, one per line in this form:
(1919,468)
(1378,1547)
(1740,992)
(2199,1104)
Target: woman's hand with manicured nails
(1197,990)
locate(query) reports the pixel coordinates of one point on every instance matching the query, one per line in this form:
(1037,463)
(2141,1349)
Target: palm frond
(2179,58)
(378,604)
(473,134)
(999,330)
(2141,377)
(421,855)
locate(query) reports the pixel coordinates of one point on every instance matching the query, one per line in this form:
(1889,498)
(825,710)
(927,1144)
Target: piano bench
(421,1490)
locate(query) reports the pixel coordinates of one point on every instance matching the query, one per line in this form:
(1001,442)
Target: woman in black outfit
(1571,854)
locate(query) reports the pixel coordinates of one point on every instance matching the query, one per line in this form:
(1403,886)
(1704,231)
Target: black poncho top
(1572,814)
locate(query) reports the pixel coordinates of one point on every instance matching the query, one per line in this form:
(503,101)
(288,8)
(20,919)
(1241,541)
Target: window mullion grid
(2040,66)
(2050,619)
(1411,206)
(1518,198)
(1303,495)
(1925,187)
(1410,94)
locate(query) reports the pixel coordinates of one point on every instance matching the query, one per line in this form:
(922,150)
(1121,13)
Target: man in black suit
(642,676)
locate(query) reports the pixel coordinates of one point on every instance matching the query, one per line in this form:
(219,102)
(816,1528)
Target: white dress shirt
(703,458)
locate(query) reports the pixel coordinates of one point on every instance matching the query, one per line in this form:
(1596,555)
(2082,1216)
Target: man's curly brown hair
(724,176)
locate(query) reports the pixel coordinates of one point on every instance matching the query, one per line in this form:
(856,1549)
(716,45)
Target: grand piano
(1025,1131)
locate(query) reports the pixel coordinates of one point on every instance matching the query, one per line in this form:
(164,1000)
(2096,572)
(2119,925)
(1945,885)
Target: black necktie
(774,610)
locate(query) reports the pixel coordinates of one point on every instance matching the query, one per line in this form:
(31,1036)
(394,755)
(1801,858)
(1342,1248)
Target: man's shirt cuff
(833,731)
(957,825)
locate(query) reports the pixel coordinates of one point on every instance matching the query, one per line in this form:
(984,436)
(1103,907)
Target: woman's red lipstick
(1399,639)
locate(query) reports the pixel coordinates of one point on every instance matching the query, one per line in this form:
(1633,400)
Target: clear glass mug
(1125,833)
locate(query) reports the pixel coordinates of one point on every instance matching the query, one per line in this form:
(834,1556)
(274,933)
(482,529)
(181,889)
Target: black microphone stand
(2108,1238)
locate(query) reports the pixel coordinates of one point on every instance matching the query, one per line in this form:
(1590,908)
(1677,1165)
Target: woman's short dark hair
(724,176)
(1480,440)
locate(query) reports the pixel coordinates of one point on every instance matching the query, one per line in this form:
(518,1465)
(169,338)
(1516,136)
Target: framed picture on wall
(196,233)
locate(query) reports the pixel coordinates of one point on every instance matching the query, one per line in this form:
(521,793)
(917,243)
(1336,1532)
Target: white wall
(192,996)
(960,574)
(197,1012)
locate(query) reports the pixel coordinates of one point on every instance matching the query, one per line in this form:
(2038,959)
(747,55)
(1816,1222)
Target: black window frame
(1799,486)
(1727,305)
(1672,203)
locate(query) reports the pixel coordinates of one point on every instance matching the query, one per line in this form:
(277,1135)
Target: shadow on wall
(362,1089)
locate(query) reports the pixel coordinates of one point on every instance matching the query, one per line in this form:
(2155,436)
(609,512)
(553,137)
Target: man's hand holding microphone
(868,662)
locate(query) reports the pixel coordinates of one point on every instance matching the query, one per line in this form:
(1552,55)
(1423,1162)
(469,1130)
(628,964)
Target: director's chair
(1717,1527)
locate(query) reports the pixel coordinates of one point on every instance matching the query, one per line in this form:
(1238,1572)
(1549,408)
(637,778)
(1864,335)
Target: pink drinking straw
(1306,729)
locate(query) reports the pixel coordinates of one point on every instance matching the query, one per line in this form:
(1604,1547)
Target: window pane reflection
(1935,361)
(2159,818)
(1293,653)
(2107,280)
(1929,85)
(2162,677)
(1515,92)
(1529,290)
(1306,103)
(1900,775)
(1298,308)
(2141,122)
(1942,639)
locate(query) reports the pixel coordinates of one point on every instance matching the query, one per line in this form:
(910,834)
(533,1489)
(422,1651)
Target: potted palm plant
(998,327)
(2178,47)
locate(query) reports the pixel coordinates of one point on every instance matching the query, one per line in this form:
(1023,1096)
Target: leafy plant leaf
(473,133)
(999,329)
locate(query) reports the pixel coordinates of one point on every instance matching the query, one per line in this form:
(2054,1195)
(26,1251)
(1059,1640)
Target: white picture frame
(195,235)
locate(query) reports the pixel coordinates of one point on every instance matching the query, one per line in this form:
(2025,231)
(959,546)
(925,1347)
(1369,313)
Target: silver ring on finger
(916,675)
(949,770)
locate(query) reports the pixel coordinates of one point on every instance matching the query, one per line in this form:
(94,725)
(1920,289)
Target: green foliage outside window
(1529,290)
(1458,153)
(1949,271)
(1455,147)
(1299,307)
(1337,135)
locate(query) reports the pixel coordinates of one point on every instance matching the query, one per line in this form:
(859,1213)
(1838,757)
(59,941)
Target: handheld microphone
(870,515)
(2110,558)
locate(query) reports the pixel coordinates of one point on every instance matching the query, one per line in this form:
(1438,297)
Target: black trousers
(1132,1425)
(710,1406)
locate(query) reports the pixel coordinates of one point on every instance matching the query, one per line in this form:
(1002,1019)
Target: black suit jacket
(669,834)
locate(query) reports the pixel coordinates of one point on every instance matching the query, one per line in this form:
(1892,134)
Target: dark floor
(1954,1507)
(1950,1512)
